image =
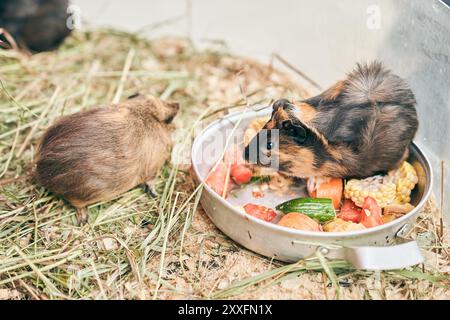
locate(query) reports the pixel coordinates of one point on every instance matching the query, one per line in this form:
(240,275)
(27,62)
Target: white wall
(323,38)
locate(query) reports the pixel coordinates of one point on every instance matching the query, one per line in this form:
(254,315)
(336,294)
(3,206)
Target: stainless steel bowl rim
(292,231)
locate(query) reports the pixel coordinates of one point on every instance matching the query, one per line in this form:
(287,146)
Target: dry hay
(137,247)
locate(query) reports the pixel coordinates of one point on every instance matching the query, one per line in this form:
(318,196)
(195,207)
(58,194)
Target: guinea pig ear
(171,110)
(163,111)
(295,130)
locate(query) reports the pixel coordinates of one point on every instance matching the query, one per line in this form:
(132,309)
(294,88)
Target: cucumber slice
(320,209)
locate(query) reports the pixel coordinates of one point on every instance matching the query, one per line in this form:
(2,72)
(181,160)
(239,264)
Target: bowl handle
(405,253)
(384,258)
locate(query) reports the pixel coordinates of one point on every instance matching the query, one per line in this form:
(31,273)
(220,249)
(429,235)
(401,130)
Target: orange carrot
(331,188)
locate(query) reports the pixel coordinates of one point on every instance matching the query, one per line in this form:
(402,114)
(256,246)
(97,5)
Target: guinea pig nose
(280,103)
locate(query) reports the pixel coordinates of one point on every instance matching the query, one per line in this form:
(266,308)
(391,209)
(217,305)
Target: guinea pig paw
(149,187)
(82,217)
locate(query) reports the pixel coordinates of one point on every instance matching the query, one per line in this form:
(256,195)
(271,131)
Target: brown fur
(307,112)
(361,126)
(333,92)
(96,155)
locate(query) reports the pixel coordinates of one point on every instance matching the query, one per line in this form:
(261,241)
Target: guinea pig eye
(295,131)
(289,127)
(269,145)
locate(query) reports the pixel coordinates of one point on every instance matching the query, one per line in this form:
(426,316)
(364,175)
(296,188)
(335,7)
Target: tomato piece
(239,171)
(241,174)
(371,213)
(217,180)
(260,212)
(331,188)
(350,211)
(299,221)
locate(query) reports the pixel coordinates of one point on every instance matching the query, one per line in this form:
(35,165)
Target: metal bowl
(368,249)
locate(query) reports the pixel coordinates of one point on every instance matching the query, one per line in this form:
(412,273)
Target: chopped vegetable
(259,171)
(319,209)
(371,213)
(280,183)
(257,194)
(218,180)
(239,172)
(377,187)
(340,225)
(260,212)
(299,221)
(390,217)
(398,208)
(396,186)
(350,211)
(261,179)
(319,187)
(405,178)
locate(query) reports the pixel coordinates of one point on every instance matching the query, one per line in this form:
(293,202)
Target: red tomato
(350,211)
(239,171)
(371,213)
(260,212)
(217,180)
(241,174)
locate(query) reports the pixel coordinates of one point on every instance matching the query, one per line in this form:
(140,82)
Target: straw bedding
(138,247)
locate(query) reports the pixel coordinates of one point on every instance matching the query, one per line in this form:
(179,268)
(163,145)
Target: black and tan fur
(361,126)
(96,155)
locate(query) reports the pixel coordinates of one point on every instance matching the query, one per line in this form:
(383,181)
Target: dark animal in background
(37,25)
(359,127)
(96,155)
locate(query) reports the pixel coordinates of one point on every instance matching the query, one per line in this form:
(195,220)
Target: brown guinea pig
(96,155)
(359,127)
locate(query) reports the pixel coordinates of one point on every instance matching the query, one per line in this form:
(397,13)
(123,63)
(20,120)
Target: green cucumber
(320,209)
(260,179)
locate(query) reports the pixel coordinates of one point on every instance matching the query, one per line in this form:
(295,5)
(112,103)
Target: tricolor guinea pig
(359,127)
(96,155)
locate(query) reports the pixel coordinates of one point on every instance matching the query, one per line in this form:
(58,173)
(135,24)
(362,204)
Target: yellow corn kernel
(405,179)
(376,187)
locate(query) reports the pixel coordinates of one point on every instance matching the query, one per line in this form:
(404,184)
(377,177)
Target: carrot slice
(331,188)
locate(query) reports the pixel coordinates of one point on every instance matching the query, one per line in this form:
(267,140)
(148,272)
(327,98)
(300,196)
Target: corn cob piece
(405,179)
(395,187)
(378,187)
